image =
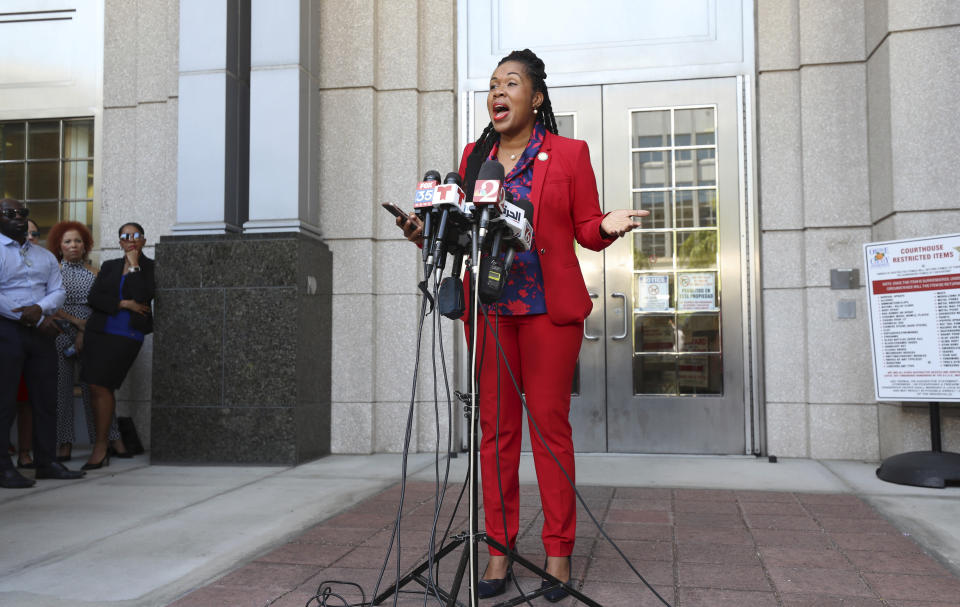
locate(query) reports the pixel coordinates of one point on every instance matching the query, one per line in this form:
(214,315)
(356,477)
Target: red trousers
(543,357)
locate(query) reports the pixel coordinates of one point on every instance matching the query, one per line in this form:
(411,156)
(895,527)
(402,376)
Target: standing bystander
(31,290)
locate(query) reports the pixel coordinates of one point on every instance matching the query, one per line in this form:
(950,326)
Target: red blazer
(565,207)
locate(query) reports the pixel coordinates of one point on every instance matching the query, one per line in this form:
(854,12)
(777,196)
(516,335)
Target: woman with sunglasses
(120,298)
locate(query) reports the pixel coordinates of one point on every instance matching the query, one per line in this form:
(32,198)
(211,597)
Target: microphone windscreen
(527,207)
(432,175)
(453,177)
(491,169)
(470,175)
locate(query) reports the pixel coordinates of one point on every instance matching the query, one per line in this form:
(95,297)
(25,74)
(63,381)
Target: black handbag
(129,436)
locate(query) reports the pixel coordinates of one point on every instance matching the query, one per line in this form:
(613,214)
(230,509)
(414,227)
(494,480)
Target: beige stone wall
(139,171)
(387,114)
(857,131)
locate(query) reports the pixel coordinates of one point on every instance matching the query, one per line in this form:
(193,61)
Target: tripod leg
(458,578)
(417,574)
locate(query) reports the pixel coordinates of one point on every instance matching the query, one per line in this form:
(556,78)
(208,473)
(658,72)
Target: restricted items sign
(913,292)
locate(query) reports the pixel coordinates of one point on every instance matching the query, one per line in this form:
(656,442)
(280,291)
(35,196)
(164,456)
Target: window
(48,164)
(676,320)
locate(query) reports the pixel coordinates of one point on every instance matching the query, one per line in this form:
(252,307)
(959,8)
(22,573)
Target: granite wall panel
(243,349)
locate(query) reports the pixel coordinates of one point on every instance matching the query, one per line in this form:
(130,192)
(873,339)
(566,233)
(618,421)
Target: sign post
(913,296)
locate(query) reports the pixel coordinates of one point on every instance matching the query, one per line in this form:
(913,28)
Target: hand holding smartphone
(395,210)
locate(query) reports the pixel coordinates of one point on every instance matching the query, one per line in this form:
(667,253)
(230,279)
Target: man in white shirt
(31,290)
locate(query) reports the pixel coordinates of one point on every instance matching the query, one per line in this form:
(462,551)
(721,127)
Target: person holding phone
(539,318)
(120,298)
(71,243)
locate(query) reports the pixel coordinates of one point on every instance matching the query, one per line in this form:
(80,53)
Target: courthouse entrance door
(661,366)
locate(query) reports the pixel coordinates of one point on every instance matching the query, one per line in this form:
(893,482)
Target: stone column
(213,119)
(243,320)
(283,117)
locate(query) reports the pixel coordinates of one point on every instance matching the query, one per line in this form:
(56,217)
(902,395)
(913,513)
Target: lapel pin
(542,156)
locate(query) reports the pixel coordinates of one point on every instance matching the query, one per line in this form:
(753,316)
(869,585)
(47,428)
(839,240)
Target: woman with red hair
(71,242)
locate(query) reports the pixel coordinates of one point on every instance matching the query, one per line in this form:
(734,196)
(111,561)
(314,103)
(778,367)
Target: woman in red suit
(540,316)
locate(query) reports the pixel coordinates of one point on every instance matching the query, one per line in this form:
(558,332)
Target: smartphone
(395,210)
(63,324)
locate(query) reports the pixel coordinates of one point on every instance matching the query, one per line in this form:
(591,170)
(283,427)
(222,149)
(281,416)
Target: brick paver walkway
(699,548)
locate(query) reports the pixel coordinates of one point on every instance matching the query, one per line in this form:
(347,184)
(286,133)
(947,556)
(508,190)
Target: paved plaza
(704,531)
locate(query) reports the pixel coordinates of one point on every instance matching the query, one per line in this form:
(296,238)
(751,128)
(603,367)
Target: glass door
(661,365)
(674,347)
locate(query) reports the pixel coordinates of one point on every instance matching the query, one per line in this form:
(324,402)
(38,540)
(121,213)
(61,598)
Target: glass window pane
(651,170)
(652,250)
(700,173)
(81,210)
(43,180)
(78,139)
(78,179)
(683,165)
(566,126)
(702,214)
(659,206)
(697,249)
(12,140)
(44,214)
(695,127)
(654,333)
(686,214)
(700,374)
(706,167)
(706,209)
(43,140)
(11,180)
(698,332)
(651,129)
(654,374)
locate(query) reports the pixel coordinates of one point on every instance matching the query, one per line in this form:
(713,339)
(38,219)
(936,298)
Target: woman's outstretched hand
(619,222)
(412,228)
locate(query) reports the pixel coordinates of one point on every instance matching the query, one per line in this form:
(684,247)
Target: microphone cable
(395,535)
(573,485)
(440,490)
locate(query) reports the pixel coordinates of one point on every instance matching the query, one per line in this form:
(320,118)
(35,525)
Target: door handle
(625,326)
(585,334)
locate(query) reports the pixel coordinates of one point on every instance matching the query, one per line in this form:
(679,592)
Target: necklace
(512,156)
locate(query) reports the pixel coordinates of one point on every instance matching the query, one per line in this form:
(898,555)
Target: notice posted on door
(913,294)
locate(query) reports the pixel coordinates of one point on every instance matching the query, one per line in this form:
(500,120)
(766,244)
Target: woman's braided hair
(536,71)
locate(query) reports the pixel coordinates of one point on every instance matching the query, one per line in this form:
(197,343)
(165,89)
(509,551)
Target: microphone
(448,198)
(423,205)
(517,216)
(512,230)
(488,193)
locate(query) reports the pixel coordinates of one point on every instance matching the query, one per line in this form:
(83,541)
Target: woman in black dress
(120,298)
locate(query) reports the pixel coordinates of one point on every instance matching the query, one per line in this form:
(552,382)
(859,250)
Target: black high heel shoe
(103,462)
(558,593)
(490,588)
(25,466)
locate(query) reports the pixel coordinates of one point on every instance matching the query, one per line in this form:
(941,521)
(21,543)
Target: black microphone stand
(472,537)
